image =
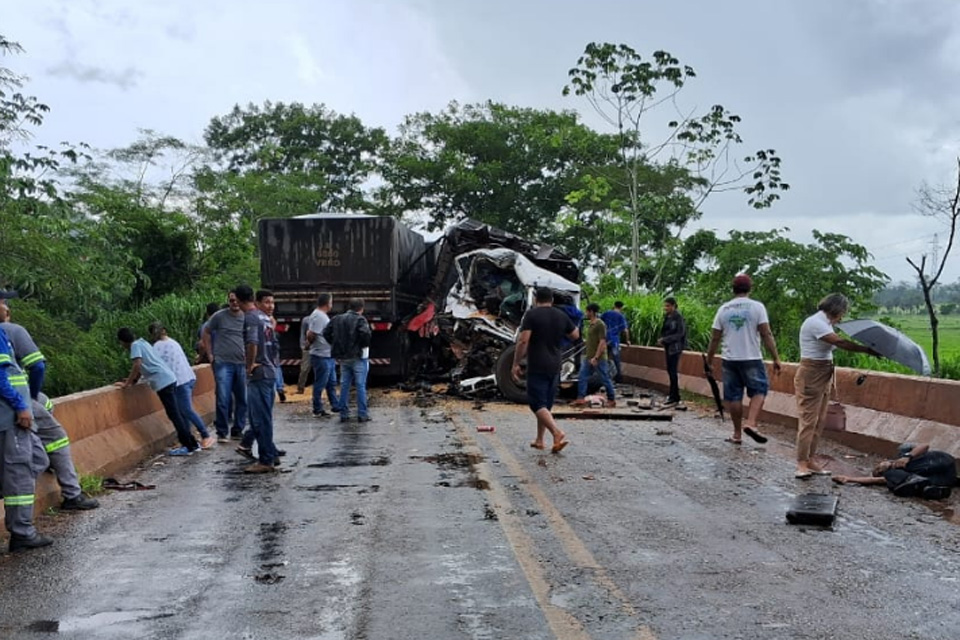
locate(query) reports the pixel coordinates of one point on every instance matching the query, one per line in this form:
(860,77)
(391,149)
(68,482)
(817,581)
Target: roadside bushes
(645,315)
(79,360)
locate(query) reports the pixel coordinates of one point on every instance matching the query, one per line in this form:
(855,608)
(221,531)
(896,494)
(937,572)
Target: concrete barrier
(111,430)
(883,409)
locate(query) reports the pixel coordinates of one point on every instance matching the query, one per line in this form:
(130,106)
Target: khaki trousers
(812,385)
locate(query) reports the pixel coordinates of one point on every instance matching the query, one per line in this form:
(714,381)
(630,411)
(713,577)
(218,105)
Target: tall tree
(283,159)
(48,252)
(791,277)
(942,203)
(507,166)
(625,89)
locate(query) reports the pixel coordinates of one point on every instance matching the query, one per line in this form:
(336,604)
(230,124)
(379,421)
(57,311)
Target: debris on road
(486,428)
(816,509)
(610,414)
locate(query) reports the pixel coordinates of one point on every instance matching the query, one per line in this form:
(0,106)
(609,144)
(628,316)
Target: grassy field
(918,328)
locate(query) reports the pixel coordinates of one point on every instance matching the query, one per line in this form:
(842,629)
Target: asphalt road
(417,526)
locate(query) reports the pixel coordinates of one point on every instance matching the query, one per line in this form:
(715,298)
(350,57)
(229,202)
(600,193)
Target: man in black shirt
(918,472)
(541,333)
(673,339)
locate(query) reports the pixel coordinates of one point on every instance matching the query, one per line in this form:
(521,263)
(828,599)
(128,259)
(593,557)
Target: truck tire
(508,386)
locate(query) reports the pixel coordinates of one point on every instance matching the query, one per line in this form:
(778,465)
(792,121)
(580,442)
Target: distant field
(918,328)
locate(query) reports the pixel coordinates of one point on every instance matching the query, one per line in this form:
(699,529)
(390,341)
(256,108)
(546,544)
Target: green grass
(91,485)
(918,328)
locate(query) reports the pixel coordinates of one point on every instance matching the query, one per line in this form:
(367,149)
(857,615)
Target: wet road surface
(416,526)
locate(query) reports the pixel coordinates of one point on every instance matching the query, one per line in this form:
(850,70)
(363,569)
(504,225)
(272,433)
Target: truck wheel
(508,386)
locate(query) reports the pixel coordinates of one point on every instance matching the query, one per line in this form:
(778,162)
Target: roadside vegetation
(95,239)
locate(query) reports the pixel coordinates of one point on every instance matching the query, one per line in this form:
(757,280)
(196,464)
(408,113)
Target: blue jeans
(613,350)
(586,370)
(324,377)
(185,402)
(353,373)
(231,386)
(260,395)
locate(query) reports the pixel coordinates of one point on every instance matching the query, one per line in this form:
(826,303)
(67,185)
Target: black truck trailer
(376,258)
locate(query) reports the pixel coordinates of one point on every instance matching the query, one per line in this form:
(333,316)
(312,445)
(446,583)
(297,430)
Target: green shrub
(78,360)
(645,315)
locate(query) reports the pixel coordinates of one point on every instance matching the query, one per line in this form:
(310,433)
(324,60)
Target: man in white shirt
(742,324)
(324,366)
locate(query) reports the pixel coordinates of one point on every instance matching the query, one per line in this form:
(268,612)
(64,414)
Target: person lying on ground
(917,472)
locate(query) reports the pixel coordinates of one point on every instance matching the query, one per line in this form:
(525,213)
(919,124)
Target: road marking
(563,625)
(523,546)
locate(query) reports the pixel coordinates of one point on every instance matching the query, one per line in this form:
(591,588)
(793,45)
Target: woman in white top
(173,356)
(814,377)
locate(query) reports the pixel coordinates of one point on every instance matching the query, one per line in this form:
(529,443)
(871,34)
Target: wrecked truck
(466,332)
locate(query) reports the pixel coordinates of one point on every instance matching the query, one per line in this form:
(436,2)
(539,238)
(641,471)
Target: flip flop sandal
(803,475)
(733,441)
(557,448)
(756,435)
(534,445)
(822,472)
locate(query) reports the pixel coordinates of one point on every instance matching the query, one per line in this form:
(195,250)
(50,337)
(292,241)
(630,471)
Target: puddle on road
(448,463)
(95,621)
(326,488)
(377,461)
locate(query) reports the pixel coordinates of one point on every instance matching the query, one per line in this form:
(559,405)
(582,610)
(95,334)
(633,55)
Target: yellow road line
(574,547)
(563,625)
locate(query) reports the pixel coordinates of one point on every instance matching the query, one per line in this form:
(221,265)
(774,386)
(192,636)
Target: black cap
(7,294)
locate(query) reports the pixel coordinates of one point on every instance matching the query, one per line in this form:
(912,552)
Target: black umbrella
(708,372)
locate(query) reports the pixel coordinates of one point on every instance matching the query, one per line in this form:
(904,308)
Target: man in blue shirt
(262,361)
(147,364)
(616,325)
(22,457)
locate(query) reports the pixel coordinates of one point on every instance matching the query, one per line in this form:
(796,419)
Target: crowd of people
(240,341)
(740,331)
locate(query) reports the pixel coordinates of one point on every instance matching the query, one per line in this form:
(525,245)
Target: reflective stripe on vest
(18,380)
(18,501)
(56,445)
(48,405)
(5,359)
(31,359)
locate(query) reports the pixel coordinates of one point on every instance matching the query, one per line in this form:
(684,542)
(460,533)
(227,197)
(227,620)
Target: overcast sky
(861,98)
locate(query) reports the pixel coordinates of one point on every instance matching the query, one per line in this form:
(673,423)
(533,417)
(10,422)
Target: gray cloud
(125,79)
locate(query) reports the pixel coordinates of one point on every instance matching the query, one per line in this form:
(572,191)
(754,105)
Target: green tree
(279,160)
(696,155)
(48,251)
(790,277)
(506,166)
(942,203)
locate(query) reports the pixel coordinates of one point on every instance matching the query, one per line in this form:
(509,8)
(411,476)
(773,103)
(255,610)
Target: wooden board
(610,414)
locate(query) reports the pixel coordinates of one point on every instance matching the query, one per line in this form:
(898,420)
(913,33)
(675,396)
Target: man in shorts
(742,324)
(541,333)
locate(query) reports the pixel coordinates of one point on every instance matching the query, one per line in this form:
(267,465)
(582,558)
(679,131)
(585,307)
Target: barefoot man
(742,324)
(541,332)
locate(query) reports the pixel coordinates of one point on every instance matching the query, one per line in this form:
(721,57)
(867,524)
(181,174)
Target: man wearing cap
(742,324)
(22,457)
(25,349)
